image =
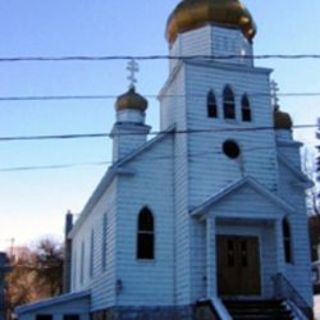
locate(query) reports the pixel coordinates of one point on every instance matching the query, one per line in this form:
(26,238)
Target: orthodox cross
(133,68)
(274,94)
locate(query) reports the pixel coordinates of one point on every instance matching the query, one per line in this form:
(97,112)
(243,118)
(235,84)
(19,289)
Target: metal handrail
(283,289)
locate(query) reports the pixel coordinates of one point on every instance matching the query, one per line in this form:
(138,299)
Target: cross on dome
(133,68)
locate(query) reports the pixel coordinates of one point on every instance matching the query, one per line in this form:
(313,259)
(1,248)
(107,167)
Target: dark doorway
(238,261)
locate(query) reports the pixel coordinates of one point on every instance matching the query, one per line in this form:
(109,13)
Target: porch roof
(52,301)
(203,209)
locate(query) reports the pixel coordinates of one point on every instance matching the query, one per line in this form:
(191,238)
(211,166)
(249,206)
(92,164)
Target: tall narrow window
(287,241)
(145,235)
(228,103)
(91,267)
(82,263)
(74,270)
(104,242)
(212,105)
(246,109)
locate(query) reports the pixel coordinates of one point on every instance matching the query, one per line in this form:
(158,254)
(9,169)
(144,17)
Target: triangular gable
(234,187)
(295,171)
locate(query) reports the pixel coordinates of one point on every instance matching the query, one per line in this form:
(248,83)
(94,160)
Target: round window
(231,149)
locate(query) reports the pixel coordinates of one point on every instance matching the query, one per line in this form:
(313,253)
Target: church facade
(212,208)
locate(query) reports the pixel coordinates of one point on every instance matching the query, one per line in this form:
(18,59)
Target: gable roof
(247,181)
(158,138)
(52,301)
(296,172)
(113,171)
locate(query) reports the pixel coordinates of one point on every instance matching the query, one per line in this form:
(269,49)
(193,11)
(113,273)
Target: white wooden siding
(147,282)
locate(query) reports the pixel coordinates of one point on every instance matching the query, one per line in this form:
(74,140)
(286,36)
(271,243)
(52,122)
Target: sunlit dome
(193,14)
(131,100)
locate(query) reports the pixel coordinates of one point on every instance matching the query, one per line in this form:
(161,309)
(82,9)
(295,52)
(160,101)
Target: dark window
(145,236)
(287,241)
(212,105)
(104,241)
(231,149)
(44,317)
(229,111)
(244,253)
(246,109)
(71,317)
(91,266)
(230,255)
(82,262)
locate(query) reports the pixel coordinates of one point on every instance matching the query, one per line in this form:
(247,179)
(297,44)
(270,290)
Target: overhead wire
(190,157)
(156,57)
(150,96)
(132,133)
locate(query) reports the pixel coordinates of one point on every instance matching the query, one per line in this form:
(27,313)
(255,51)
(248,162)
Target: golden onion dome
(282,120)
(131,100)
(193,14)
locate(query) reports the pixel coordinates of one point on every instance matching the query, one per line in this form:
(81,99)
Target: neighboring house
(4,269)
(212,208)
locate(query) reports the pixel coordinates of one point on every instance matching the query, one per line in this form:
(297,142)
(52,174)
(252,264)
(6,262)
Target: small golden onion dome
(282,120)
(131,100)
(193,14)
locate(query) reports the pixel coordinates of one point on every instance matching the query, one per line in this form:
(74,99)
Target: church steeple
(129,132)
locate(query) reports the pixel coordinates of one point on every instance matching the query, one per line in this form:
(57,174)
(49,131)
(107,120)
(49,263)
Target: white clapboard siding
(102,281)
(147,282)
(299,273)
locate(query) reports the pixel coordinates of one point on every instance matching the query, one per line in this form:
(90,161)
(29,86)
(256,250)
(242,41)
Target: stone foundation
(145,313)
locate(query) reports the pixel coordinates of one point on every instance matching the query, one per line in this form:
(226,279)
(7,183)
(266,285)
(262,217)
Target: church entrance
(238,262)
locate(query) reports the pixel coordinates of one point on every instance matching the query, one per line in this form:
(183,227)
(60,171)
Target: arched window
(145,235)
(286,230)
(228,103)
(246,109)
(212,105)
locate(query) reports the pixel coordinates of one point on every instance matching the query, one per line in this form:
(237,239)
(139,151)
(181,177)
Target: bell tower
(130,131)
(219,100)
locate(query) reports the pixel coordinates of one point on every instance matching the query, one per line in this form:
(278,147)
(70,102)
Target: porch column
(211,257)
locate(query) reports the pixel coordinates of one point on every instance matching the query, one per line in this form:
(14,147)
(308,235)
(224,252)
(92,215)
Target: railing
(283,289)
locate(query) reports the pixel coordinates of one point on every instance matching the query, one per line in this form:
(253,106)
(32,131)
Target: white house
(209,210)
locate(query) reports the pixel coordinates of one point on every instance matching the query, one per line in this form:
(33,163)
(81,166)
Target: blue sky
(33,203)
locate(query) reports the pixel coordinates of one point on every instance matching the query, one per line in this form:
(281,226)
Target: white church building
(208,217)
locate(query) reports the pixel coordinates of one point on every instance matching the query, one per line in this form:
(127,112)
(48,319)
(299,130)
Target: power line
(151,96)
(51,167)
(102,135)
(157,57)
(102,163)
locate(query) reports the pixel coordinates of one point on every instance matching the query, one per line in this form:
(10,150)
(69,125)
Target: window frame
(142,234)
(212,106)
(246,110)
(229,103)
(287,241)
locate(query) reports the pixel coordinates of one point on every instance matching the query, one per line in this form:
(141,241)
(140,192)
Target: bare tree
(36,274)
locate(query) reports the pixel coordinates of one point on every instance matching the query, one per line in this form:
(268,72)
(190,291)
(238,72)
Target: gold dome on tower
(282,120)
(192,14)
(131,100)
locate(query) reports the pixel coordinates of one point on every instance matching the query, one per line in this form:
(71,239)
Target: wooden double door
(238,263)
